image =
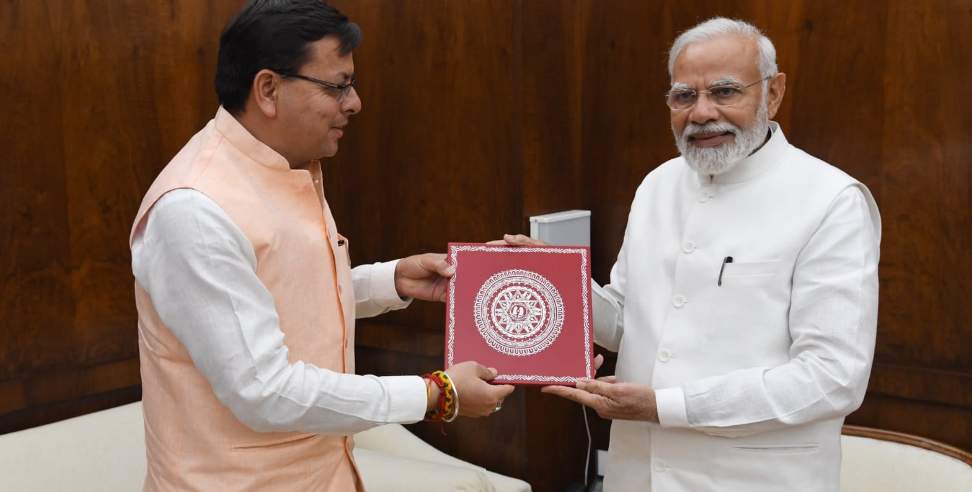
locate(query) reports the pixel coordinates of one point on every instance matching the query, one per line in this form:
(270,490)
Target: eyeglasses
(337,91)
(720,94)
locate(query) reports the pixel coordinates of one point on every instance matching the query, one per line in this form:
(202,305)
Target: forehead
(728,56)
(324,58)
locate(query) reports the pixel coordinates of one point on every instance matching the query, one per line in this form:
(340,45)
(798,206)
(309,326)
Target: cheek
(742,119)
(743,116)
(326,114)
(310,120)
(678,122)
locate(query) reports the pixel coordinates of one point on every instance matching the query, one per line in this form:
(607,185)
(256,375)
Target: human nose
(352,102)
(704,110)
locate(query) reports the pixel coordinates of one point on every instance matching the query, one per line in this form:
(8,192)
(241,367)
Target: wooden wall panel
(99,95)
(477,114)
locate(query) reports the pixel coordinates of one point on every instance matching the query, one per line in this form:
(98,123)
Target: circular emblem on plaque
(518,312)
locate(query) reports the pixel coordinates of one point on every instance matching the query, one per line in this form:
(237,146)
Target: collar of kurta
(764,159)
(237,135)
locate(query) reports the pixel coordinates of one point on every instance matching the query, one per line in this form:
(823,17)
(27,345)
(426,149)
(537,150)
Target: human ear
(777,87)
(265,92)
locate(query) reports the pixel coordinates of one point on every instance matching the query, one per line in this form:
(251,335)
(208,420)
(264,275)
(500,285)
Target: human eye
(334,90)
(343,88)
(683,96)
(725,93)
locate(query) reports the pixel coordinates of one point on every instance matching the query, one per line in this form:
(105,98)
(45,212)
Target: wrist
(399,279)
(446,406)
(431,394)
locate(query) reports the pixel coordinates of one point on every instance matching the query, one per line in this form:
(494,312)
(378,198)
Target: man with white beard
(743,303)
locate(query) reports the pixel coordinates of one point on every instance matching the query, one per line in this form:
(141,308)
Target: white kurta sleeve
(200,272)
(374,289)
(832,324)
(608,316)
(608,307)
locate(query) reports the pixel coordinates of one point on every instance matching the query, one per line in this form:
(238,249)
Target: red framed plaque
(524,310)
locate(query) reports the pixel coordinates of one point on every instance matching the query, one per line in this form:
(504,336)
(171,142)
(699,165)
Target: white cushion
(382,472)
(395,440)
(876,465)
(105,451)
(100,451)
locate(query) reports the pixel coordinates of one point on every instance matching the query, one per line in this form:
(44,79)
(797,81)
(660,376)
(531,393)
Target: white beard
(717,160)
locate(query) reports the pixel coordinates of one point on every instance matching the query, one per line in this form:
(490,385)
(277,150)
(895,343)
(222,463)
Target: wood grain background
(477,114)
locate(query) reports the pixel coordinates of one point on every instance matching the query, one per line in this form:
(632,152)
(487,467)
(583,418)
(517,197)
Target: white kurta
(754,376)
(241,352)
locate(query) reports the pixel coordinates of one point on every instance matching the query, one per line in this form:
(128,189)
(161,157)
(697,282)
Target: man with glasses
(246,298)
(743,303)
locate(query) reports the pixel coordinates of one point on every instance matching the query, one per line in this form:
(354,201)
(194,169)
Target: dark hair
(274,34)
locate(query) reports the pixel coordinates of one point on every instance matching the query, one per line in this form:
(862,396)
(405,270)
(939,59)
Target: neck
(263,130)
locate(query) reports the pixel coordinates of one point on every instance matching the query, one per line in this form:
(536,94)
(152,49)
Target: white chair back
(886,461)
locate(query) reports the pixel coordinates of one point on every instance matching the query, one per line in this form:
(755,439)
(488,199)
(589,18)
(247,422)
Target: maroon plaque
(524,310)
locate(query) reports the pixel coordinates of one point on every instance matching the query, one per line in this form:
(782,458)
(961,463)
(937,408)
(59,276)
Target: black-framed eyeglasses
(338,91)
(722,94)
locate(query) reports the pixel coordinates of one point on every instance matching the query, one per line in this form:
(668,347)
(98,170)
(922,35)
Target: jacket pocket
(752,268)
(275,440)
(801,448)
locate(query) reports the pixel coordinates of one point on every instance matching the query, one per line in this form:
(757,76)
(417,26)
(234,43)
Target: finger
(553,390)
(598,361)
(527,240)
(497,242)
(440,288)
(597,387)
(573,394)
(608,379)
(520,240)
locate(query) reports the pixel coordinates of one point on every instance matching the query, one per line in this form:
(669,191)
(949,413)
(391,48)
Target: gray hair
(721,26)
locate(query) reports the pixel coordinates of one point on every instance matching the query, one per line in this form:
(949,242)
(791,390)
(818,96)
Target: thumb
(445,269)
(433,262)
(485,373)
(504,390)
(437,263)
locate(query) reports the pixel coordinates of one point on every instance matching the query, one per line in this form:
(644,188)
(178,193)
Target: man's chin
(329,152)
(697,159)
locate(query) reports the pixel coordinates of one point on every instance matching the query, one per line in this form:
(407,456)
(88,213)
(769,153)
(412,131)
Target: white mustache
(709,128)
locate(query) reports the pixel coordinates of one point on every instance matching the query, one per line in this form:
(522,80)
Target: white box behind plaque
(566,228)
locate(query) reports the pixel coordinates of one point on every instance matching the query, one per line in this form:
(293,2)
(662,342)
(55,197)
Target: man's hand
(517,240)
(424,277)
(477,398)
(611,399)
